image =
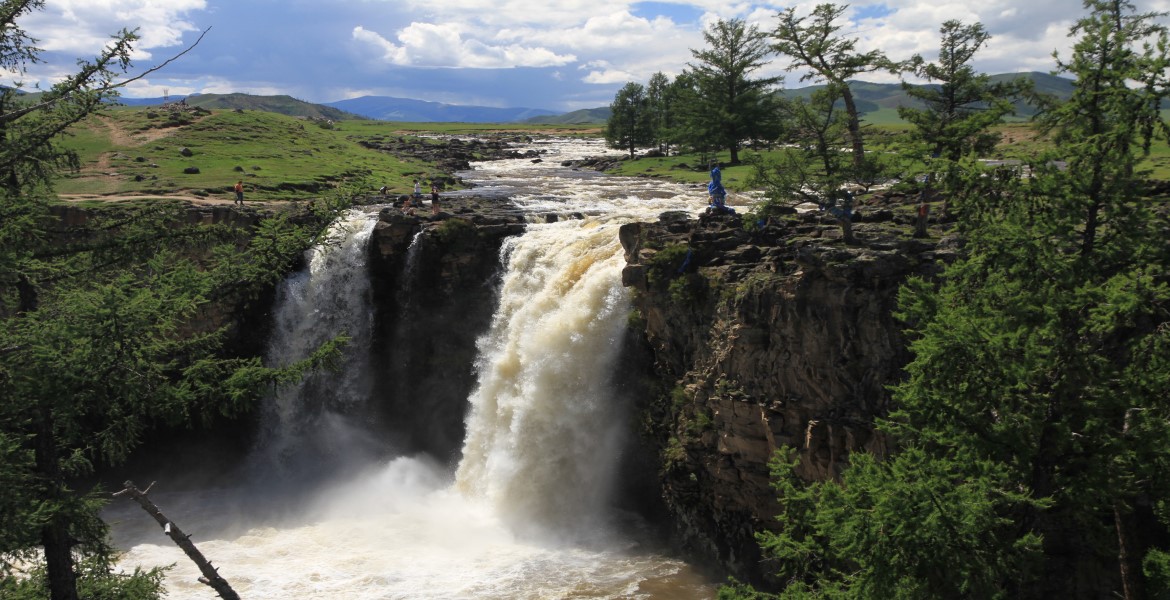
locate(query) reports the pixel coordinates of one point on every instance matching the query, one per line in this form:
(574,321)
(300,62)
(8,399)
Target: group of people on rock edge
(415,198)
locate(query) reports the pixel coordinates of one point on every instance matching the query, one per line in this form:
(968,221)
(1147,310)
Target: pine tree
(816,45)
(1033,429)
(99,331)
(960,105)
(629,124)
(733,106)
(661,105)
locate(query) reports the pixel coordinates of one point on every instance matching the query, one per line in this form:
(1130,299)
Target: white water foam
(525,516)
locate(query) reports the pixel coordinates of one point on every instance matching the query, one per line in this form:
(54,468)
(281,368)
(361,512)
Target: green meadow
(128,153)
(1018,140)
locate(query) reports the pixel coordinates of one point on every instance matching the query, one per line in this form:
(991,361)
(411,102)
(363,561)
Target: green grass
(135,151)
(1019,140)
(277,156)
(382,127)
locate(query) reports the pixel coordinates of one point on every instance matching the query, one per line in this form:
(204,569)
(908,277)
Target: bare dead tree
(211,575)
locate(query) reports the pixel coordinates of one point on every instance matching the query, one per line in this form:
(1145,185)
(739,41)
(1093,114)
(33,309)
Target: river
(526,513)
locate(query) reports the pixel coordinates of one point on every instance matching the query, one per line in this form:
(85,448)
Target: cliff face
(783,336)
(434,293)
(778,336)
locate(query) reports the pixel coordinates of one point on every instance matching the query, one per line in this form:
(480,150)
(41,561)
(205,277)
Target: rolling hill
(878,102)
(285,105)
(386,108)
(875,99)
(587,116)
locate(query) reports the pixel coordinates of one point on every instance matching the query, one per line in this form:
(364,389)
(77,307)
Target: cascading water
(544,432)
(331,297)
(526,513)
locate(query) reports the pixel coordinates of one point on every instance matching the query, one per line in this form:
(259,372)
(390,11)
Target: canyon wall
(770,336)
(743,340)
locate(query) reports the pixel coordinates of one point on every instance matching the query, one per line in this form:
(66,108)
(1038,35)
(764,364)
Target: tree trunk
(55,538)
(211,575)
(847,230)
(59,560)
(854,122)
(1130,586)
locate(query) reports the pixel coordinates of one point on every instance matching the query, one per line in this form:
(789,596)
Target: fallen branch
(211,575)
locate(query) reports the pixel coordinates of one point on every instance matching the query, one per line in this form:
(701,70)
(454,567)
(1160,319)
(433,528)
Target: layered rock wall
(434,285)
(778,337)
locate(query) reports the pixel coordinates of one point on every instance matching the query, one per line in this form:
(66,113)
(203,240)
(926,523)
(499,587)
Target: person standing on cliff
(240,192)
(715,189)
(434,198)
(417,193)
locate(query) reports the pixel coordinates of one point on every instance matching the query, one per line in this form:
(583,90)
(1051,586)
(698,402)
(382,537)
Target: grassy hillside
(134,152)
(131,152)
(879,102)
(588,116)
(285,105)
(405,109)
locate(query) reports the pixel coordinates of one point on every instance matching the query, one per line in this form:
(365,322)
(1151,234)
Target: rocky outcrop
(452,154)
(770,336)
(434,291)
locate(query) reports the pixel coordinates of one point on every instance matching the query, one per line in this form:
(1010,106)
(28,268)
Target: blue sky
(553,54)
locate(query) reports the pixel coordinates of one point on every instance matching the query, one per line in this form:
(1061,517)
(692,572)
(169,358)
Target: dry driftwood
(211,575)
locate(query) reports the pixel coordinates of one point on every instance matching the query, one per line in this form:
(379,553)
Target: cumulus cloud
(83,27)
(572,51)
(444,45)
(601,72)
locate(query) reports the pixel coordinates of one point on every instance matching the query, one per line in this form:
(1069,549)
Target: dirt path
(120,137)
(194,200)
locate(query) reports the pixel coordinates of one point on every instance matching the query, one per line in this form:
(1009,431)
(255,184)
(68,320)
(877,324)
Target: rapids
(325,508)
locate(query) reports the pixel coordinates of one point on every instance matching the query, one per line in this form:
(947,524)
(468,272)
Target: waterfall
(525,513)
(543,431)
(317,417)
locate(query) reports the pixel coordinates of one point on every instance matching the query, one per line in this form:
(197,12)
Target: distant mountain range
(878,103)
(385,108)
(285,105)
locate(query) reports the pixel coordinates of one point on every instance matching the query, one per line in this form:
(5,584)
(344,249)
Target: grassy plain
(1018,140)
(137,153)
(134,153)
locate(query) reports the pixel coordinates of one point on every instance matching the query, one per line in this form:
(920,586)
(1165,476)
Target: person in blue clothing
(717,193)
(715,186)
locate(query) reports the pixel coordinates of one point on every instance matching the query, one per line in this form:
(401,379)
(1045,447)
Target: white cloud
(601,72)
(585,49)
(83,27)
(435,45)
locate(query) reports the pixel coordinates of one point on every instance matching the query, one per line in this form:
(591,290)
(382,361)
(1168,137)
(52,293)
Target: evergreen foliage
(812,42)
(729,107)
(958,111)
(103,332)
(1032,434)
(631,121)
(811,169)
(663,112)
